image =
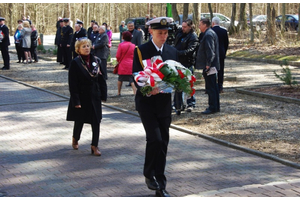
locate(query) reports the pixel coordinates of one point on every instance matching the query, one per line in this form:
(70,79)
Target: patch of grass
(248,54)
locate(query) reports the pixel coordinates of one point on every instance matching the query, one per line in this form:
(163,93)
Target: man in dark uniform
(59,26)
(155,109)
(4,43)
(223,46)
(186,43)
(79,33)
(65,43)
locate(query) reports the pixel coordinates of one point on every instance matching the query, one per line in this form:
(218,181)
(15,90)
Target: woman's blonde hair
(26,24)
(20,25)
(80,42)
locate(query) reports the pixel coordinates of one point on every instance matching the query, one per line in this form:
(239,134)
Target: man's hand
(78,106)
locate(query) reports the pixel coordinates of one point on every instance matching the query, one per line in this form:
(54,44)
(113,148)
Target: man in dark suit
(137,36)
(155,108)
(208,59)
(59,26)
(65,42)
(223,46)
(79,33)
(4,43)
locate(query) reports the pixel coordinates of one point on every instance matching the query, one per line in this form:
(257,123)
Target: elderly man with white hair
(223,46)
(101,49)
(122,28)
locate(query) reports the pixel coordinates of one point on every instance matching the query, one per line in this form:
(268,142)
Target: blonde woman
(26,41)
(87,90)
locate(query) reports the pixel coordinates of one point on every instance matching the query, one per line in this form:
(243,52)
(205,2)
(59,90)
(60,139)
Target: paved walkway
(36,157)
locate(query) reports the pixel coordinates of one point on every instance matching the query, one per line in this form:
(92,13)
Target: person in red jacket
(125,59)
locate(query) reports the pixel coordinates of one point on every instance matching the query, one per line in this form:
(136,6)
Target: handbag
(116,69)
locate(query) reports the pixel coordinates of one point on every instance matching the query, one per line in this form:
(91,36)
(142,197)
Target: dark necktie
(159,53)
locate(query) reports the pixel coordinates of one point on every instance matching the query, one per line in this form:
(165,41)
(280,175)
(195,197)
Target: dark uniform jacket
(223,40)
(76,35)
(101,46)
(186,44)
(66,37)
(86,91)
(5,32)
(159,104)
(208,51)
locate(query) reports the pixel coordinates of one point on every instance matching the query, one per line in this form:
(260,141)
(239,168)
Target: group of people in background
(25,39)
(99,35)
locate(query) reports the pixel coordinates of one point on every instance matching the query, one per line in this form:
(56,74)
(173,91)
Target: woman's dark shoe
(95,151)
(75,144)
(162,193)
(152,183)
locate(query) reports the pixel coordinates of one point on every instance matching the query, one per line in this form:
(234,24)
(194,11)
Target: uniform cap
(2,19)
(66,19)
(159,23)
(79,22)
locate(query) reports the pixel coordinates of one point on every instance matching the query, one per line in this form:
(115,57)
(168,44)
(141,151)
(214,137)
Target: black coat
(66,37)
(86,91)
(160,103)
(34,38)
(186,44)
(76,35)
(223,40)
(137,37)
(5,32)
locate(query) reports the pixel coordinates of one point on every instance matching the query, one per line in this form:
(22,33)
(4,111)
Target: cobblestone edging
(279,62)
(270,96)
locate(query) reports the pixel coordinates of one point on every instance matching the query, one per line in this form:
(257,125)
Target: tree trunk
(282,26)
(242,25)
(196,16)
(271,33)
(210,11)
(175,12)
(251,24)
(232,28)
(185,11)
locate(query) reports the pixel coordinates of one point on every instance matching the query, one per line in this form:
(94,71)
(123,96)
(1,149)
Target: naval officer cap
(66,19)
(79,22)
(159,23)
(2,19)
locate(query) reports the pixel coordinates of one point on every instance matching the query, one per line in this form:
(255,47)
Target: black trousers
(104,67)
(157,136)
(95,129)
(212,90)
(20,52)
(221,74)
(67,56)
(59,57)
(5,56)
(33,52)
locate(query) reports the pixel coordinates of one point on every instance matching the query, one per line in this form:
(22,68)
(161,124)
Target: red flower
(180,74)
(193,91)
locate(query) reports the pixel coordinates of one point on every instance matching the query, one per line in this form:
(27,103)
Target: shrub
(286,76)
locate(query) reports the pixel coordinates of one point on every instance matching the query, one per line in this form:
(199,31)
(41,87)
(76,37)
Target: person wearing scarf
(87,91)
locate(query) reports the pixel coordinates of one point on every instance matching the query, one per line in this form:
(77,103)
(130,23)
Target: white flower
(94,64)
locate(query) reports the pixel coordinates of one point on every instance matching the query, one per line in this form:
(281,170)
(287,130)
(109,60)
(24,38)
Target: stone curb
(270,96)
(279,62)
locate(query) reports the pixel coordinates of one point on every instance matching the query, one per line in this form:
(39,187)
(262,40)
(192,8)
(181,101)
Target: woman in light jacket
(18,43)
(26,41)
(125,58)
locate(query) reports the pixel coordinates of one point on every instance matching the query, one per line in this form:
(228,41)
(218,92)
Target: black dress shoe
(5,68)
(152,183)
(162,193)
(208,111)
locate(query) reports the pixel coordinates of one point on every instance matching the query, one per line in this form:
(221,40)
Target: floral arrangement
(165,75)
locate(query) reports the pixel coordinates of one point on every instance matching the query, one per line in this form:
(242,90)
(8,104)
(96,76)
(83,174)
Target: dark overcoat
(101,46)
(87,91)
(223,40)
(67,35)
(159,104)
